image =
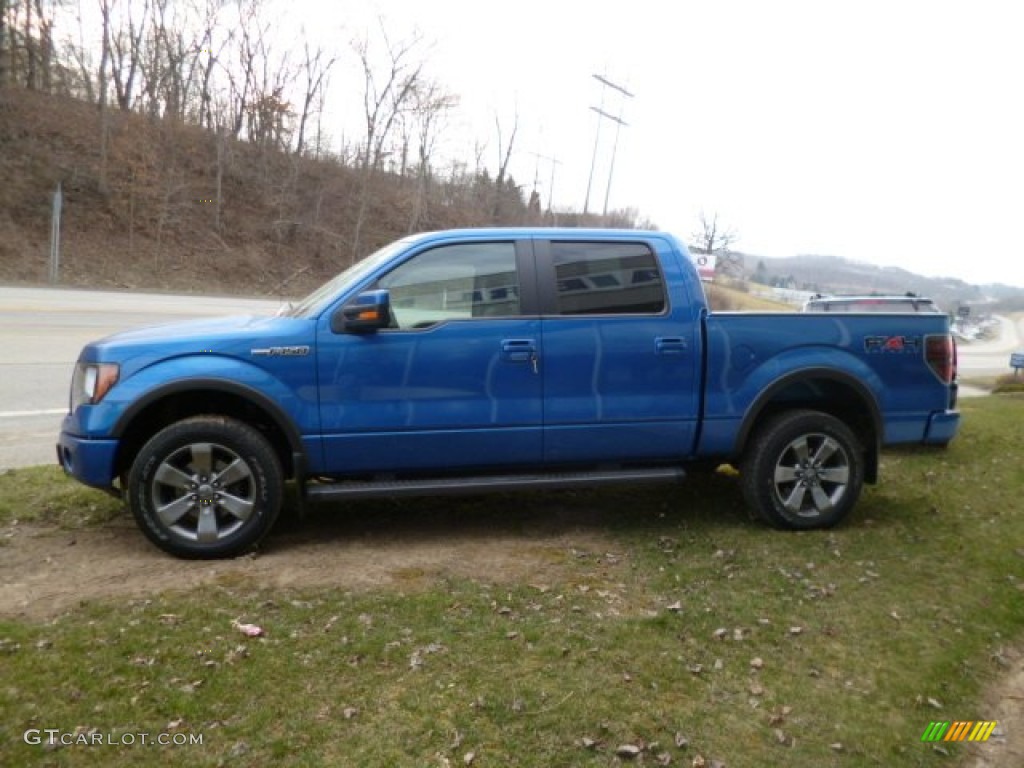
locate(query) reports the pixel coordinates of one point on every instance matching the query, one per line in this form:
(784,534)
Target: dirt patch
(48,571)
(1004,703)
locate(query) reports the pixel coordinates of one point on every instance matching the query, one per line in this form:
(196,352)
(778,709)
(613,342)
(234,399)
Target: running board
(488,483)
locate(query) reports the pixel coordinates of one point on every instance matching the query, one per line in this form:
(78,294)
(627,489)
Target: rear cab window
(604,279)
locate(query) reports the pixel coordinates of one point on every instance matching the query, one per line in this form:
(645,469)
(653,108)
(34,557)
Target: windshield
(316,302)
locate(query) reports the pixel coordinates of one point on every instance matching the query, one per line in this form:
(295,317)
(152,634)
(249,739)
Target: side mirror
(368,312)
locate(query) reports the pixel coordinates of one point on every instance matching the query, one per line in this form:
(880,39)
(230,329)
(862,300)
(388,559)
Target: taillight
(940,353)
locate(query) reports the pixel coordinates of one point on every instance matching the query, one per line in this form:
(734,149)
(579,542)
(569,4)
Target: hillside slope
(162,205)
(832,274)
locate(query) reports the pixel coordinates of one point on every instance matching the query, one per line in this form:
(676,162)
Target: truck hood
(244,336)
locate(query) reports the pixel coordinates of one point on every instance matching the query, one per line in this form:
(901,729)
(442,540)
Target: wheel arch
(182,399)
(827,390)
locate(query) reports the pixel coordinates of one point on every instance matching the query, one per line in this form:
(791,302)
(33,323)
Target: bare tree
(712,237)
(316,69)
(222,151)
(125,46)
(220,113)
(26,43)
(388,91)
(44,51)
(210,50)
(504,158)
(431,105)
(29,45)
(80,73)
(4,41)
(173,72)
(170,63)
(260,82)
(35,27)
(715,238)
(105,46)
(241,84)
(104,120)
(153,60)
(270,114)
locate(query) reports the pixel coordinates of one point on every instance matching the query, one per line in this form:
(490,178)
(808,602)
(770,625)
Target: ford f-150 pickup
(499,359)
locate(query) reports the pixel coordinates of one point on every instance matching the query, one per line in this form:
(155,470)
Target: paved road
(992,358)
(42,331)
(41,334)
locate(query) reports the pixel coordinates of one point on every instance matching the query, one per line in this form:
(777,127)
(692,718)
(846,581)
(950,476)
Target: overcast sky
(888,131)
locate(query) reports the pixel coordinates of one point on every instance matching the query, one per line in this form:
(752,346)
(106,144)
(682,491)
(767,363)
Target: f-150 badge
(298,351)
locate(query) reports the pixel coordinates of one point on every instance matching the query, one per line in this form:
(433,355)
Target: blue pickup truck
(469,361)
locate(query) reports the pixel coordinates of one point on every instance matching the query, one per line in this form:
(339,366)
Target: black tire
(802,470)
(206,487)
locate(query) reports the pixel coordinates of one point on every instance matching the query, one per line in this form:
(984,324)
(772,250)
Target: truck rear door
(620,354)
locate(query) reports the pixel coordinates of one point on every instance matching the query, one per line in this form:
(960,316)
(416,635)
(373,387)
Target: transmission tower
(603,115)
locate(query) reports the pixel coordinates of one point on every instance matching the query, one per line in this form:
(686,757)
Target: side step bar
(488,483)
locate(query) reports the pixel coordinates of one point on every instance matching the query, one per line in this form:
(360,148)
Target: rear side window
(607,279)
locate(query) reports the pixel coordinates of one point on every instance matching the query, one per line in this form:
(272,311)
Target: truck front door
(453,382)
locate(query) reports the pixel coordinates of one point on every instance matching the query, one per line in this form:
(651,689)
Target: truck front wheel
(205,487)
(803,469)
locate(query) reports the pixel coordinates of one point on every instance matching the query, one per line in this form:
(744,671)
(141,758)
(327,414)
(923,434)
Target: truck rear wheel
(803,469)
(206,487)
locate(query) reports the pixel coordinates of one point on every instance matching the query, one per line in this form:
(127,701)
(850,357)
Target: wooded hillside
(173,206)
(191,152)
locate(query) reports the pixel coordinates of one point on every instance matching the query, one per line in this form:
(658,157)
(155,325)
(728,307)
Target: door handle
(670,345)
(519,350)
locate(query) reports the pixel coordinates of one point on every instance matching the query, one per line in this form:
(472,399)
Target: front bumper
(88,461)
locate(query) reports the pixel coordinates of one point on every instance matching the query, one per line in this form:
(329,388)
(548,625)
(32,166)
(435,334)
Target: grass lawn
(693,633)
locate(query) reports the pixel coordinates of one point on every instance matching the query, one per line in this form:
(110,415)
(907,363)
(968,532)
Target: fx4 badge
(281,351)
(892,344)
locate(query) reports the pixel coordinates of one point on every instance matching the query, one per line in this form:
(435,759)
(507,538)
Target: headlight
(91,382)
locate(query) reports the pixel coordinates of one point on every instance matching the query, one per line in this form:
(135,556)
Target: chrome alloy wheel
(812,475)
(203,492)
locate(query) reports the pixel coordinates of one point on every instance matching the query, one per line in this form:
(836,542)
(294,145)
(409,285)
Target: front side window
(607,278)
(454,282)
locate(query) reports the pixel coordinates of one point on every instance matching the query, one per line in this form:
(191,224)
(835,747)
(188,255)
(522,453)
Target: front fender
(292,404)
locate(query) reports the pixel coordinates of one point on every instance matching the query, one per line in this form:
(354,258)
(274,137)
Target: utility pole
(536,175)
(619,122)
(601,116)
